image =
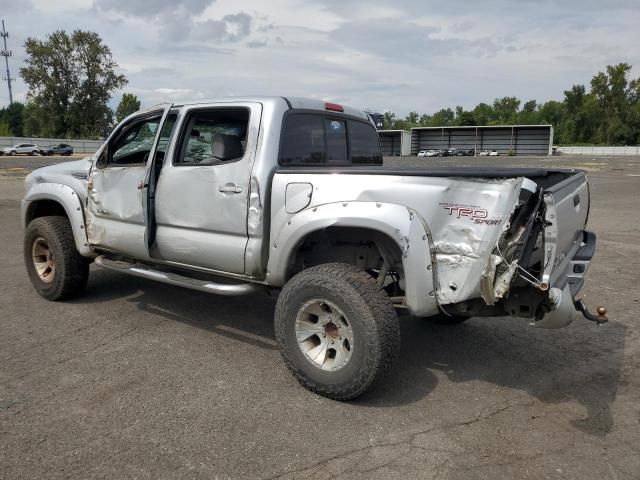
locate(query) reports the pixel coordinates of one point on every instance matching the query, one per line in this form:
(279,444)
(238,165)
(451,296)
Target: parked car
(428,153)
(464,152)
(342,246)
(22,149)
(493,153)
(57,149)
(483,153)
(444,152)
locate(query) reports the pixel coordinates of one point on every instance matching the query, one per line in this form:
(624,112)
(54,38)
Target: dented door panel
(115,216)
(203,212)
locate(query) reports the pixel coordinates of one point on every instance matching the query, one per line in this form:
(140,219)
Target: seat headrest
(226,147)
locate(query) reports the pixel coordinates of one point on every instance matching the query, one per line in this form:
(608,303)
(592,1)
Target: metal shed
(518,139)
(395,143)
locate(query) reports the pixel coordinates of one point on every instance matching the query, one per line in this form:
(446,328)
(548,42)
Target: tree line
(608,113)
(71,79)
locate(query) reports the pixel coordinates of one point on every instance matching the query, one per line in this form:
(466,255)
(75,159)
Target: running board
(144,271)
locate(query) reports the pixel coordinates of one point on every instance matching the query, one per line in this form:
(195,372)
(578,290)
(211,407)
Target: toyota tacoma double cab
(289,196)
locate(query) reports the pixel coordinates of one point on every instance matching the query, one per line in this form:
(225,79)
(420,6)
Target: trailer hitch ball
(601,311)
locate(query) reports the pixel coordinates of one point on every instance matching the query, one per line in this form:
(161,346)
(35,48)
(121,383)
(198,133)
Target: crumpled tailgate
(567,210)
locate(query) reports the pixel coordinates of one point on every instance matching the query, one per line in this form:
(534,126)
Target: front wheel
(56,269)
(338,331)
(12,153)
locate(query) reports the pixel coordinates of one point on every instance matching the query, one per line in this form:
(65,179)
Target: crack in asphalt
(410,442)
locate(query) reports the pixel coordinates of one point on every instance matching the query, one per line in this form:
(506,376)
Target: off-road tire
(71,268)
(370,313)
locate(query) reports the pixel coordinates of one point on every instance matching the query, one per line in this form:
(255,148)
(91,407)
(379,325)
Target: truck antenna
(6,54)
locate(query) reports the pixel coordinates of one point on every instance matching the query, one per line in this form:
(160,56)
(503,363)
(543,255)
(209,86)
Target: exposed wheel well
(369,250)
(44,208)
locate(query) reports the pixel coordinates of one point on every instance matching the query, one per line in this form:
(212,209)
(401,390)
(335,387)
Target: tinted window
(212,137)
(336,135)
(363,141)
(316,139)
(303,140)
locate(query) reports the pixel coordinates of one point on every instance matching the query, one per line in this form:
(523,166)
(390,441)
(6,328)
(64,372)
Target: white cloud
(411,55)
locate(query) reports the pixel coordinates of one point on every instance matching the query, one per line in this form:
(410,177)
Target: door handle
(230,188)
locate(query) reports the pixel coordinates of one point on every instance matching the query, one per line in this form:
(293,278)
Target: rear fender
(68,199)
(399,223)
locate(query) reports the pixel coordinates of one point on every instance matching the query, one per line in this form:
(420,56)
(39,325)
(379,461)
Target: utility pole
(6,54)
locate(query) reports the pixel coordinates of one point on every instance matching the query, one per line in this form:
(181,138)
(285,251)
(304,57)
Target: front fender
(398,222)
(68,198)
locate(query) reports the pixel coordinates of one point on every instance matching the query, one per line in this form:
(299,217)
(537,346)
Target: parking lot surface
(136,379)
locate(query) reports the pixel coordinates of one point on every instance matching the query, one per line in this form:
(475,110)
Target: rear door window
(214,136)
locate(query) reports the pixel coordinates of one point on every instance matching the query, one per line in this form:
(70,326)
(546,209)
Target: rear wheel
(34,153)
(337,330)
(56,270)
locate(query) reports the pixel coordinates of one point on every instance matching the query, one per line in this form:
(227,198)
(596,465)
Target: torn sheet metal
(487,280)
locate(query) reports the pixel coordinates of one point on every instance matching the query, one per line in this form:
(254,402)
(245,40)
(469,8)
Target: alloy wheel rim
(43,260)
(324,334)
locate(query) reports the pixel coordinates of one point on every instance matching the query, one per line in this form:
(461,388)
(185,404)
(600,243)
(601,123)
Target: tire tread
(383,348)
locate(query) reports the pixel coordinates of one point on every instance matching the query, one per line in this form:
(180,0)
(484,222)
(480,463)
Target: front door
(201,197)
(117,189)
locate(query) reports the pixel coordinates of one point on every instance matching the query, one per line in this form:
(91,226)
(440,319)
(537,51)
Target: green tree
(33,118)
(5,130)
(12,116)
(412,119)
(616,95)
(71,79)
(483,114)
(506,110)
(389,120)
(128,104)
(529,113)
(443,118)
(424,120)
(607,113)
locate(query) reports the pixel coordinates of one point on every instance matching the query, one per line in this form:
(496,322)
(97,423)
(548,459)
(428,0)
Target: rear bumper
(563,295)
(579,265)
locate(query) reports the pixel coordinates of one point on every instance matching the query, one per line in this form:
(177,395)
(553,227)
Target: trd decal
(474,213)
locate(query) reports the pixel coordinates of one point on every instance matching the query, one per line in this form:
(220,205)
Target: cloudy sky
(385,55)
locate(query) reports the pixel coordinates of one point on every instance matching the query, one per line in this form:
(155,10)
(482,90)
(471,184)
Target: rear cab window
(321,138)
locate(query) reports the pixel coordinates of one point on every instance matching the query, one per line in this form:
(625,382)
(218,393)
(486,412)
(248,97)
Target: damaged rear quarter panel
(462,219)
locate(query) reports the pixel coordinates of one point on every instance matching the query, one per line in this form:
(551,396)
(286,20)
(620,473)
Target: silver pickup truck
(289,196)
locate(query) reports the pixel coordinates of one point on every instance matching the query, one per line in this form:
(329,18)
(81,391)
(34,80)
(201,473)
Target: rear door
(202,195)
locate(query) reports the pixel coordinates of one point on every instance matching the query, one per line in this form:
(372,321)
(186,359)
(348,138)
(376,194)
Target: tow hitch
(600,318)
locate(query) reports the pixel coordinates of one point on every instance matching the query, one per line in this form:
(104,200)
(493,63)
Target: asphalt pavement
(136,379)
